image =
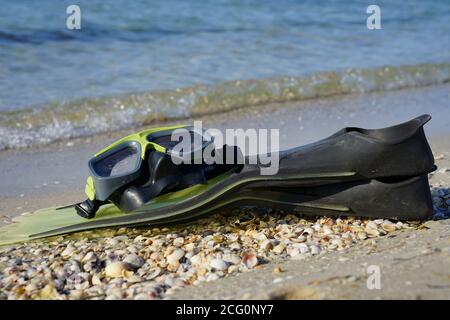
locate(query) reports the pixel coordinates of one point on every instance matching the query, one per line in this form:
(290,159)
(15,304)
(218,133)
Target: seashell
(315,249)
(294,252)
(132,249)
(190,247)
(388,226)
(372,232)
(217,239)
(117,269)
(114,294)
(278,249)
(299,239)
(235,246)
(189,255)
(31,287)
(121,237)
(142,296)
(233,268)
(212,277)
(327,230)
(89,257)
(120,252)
(134,261)
(337,242)
(178,242)
(250,260)
(134,279)
(153,273)
(96,280)
(301,247)
(260,236)
(174,258)
(202,271)
(277,269)
(169,251)
(76,294)
(266,245)
(68,251)
(361,235)
(196,260)
(218,264)
(112,242)
(371,225)
(232,258)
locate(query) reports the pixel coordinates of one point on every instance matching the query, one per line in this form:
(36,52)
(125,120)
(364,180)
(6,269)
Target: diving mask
(141,166)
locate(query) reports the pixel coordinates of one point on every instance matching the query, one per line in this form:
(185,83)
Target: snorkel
(139,167)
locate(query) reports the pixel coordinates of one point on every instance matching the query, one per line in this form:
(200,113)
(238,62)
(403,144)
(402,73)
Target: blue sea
(129,54)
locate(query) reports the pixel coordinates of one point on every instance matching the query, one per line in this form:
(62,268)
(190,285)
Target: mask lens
(121,162)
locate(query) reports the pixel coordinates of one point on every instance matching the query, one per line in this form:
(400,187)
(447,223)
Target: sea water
(135,61)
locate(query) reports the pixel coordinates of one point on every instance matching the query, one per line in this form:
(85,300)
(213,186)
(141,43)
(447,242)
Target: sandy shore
(414,262)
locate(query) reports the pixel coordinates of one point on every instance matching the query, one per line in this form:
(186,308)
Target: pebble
(277,269)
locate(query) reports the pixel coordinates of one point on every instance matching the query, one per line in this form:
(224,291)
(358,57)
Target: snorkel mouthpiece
(87,209)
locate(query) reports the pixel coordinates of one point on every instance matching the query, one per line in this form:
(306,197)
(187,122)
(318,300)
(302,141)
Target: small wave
(95,32)
(87,117)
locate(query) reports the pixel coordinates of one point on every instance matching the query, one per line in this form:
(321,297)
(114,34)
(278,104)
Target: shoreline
(97,115)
